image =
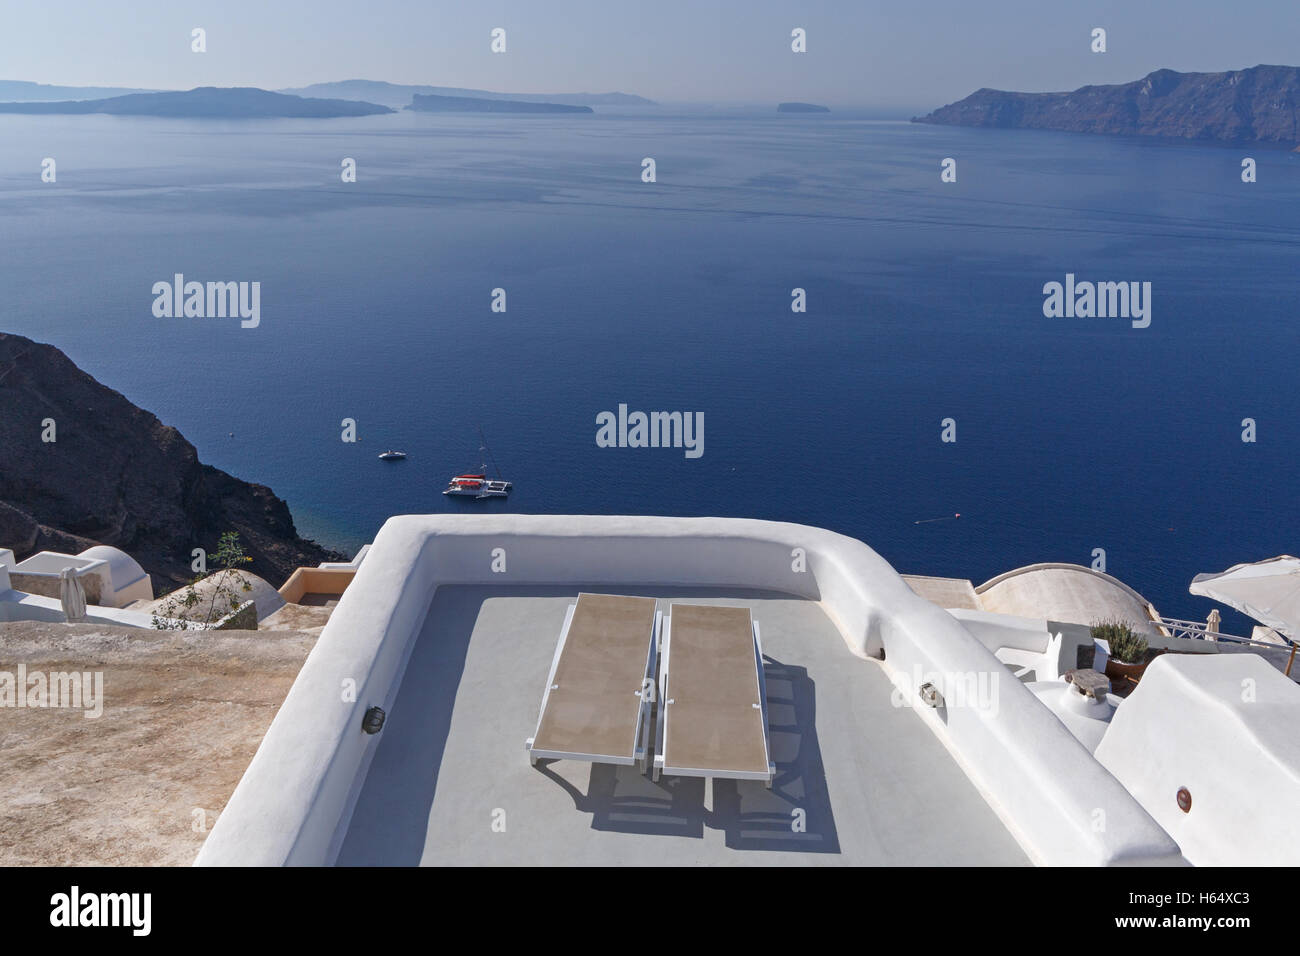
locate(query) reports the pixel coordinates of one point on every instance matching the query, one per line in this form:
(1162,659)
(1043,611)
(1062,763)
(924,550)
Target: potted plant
(1128,649)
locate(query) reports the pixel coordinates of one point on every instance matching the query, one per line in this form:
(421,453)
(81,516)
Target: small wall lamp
(373,721)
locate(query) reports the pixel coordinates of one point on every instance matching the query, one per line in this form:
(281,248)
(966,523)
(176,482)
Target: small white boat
(391,455)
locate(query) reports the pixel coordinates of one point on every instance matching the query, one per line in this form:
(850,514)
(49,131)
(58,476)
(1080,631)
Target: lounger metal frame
(661,724)
(641,754)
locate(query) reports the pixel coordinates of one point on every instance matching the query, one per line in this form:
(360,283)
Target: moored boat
(477,484)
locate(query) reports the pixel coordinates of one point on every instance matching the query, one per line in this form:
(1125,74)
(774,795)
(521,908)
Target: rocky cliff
(117,475)
(1258,105)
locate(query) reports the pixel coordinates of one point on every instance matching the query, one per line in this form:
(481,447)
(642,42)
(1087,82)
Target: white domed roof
(124,570)
(1069,593)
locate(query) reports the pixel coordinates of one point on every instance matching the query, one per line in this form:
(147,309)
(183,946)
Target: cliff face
(1259,105)
(117,475)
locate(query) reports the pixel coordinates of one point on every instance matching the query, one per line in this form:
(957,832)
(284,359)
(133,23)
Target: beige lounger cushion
(593,707)
(712,723)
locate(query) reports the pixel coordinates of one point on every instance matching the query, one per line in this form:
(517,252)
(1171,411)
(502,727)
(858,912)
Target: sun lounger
(596,705)
(713,716)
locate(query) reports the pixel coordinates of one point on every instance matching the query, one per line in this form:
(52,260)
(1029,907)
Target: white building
(110,577)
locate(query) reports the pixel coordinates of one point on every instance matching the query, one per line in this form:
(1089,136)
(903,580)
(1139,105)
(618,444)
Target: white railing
(1192,630)
(1199,630)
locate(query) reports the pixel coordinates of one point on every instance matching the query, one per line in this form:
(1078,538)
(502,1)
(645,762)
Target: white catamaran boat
(477,484)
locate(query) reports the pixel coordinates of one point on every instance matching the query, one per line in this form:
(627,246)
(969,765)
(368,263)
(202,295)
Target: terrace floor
(450,782)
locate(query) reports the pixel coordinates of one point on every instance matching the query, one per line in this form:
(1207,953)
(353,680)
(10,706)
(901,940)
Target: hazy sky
(906,53)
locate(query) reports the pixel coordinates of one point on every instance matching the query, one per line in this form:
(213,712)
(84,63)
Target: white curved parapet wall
(291,806)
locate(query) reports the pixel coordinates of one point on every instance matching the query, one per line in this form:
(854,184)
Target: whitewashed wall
(1242,712)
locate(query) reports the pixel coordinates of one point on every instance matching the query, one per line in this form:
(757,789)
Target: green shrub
(1126,646)
(184,610)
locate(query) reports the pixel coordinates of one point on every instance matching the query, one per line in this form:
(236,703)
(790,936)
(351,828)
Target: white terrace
(897,734)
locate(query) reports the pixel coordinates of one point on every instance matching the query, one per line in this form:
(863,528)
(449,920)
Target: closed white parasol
(73,595)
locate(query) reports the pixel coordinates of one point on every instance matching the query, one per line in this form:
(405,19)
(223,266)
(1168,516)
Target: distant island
(472,104)
(801,108)
(399,95)
(22,91)
(1258,105)
(206,102)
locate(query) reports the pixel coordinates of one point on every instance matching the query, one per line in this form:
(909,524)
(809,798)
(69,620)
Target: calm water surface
(924,303)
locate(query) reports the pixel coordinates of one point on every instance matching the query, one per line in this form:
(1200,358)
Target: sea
(1077,439)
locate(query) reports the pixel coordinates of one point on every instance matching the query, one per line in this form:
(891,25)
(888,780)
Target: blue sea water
(924,303)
